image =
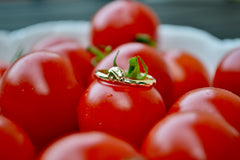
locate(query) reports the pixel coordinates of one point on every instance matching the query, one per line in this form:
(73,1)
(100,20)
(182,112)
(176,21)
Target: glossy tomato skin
(15,144)
(40,93)
(90,146)
(216,101)
(70,49)
(227,74)
(119,22)
(187,71)
(125,111)
(51,41)
(156,64)
(192,135)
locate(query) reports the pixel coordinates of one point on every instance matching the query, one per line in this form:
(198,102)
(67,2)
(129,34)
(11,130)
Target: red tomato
(213,100)
(187,71)
(156,64)
(51,41)
(119,22)
(89,146)
(3,67)
(15,144)
(69,48)
(192,135)
(227,74)
(40,93)
(125,111)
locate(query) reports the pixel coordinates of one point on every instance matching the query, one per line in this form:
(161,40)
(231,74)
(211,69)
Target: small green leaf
(115,59)
(99,55)
(107,49)
(145,69)
(146,39)
(134,69)
(17,55)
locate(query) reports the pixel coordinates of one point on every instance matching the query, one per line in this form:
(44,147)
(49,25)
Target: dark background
(219,17)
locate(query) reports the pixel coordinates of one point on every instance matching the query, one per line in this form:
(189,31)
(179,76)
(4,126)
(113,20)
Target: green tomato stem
(16,56)
(134,69)
(115,59)
(146,39)
(99,55)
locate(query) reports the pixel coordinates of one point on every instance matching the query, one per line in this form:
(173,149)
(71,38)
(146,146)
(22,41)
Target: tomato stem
(134,69)
(115,59)
(16,56)
(99,55)
(133,77)
(146,39)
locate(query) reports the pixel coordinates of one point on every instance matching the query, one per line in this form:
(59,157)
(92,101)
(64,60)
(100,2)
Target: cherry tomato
(3,67)
(227,74)
(192,135)
(40,93)
(90,146)
(156,64)
(51,41)
(15,144)
(119,22)
(216,101)
(188,73)
(117,106)
(69,48)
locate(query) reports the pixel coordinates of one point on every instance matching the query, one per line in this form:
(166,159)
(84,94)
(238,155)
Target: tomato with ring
(157,66)
(125,105)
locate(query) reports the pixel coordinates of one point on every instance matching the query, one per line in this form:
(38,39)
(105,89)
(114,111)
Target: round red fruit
(187,71)
(119,22)
(15,144)
(70,49)
(227,74)
(121,105)
(90,146)
(216,101)
(154,61)
(192,135)
(40,93)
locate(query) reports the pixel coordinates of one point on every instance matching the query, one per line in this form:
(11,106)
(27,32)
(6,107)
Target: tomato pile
(122,97)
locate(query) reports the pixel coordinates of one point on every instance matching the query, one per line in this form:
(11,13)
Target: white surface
(200,43)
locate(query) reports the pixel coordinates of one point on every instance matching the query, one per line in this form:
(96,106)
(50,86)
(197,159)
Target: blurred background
(219,17)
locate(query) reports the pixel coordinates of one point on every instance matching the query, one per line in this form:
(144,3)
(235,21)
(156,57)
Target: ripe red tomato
(119,22)
(3,67)
(51,41)
(188,73)
(156,64)
(227,74)
(90,146)
(216,101)
(15,144)
(127,110)
(69,48)
(192,135)
(40,93)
